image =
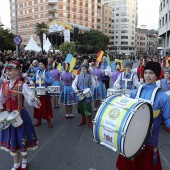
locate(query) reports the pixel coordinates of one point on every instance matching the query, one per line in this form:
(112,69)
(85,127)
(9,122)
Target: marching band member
(116,73)
(99,93)
(20,139)
(164,84)
(149,158)
(43,78)
(67,95)
(127,79)
(81,82)
(105,78)
(56,78)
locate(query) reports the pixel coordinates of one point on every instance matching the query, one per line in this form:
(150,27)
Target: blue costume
(165,85)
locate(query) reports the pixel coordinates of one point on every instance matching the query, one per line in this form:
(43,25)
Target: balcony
(52,10)
(52,2)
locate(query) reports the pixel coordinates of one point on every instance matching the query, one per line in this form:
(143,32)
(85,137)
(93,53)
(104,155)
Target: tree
(92,42)
(6,42)
(40,29)
(68,47)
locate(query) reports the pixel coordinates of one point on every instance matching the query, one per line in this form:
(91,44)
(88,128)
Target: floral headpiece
(12,64)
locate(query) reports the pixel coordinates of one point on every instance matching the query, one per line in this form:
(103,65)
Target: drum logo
(124,101)
(114,113)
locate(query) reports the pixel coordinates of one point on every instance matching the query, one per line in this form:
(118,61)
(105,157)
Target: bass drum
(123,124)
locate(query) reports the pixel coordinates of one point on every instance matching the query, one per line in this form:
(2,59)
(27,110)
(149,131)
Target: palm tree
(41,28)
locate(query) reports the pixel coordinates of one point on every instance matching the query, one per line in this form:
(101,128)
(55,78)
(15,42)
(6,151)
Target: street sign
(17,40)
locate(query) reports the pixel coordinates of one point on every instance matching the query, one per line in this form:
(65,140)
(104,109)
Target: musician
(149,158)
(164,84)
(99,93)
(43,78)
(17,140)
(81,82)
(67,95)
(56,78)
(127,79)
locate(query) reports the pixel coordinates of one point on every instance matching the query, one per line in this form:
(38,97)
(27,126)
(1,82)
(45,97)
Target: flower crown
(11,64)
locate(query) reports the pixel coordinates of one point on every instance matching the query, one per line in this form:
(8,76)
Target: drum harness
(151,101)
(127,80)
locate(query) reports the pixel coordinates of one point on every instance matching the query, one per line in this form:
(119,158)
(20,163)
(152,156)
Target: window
(117,14)
(124,31)
(124,37)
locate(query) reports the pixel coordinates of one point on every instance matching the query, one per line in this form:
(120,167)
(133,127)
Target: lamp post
(16,23)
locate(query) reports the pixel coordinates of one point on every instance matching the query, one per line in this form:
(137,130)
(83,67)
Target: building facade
(124,25)
(84,14)
(164,27)
(147,42)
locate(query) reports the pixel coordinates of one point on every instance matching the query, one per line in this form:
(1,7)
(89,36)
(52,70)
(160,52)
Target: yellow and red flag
(99,56)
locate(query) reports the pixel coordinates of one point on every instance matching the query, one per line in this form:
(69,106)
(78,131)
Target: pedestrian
(149,158)
(17,140)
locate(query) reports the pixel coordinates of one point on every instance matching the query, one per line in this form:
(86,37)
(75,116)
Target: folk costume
(81,82)
(149,157)
(18,139)
(43,78)
(67,95)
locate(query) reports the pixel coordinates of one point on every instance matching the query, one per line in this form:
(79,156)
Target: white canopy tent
(47,45)
(32,45)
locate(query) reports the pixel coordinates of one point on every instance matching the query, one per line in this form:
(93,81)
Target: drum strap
(151,101)
(39,80)
(19,95)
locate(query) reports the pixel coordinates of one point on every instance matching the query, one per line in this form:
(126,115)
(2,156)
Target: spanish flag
(166,64)
(76,72)
(72,60)
(99,56)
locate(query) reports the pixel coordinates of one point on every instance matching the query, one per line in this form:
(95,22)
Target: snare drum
(114,92)
(15,119)
(80,96)
(53,90)
(123,124)
(3,122)
(40,91)
(87,93)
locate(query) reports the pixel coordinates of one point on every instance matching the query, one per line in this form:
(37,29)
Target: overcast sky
(148,13)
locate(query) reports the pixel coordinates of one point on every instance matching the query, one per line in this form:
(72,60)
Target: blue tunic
(165,85)
(162,104)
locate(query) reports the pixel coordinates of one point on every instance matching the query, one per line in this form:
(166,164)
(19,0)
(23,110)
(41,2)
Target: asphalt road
(70,147)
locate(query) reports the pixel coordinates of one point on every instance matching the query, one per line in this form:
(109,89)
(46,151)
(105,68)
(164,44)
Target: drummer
(67,95)
(99,93)
(56,78)
(149,158)
(81,82)
(43,78)
(127,80)
(17,140)
(165,83)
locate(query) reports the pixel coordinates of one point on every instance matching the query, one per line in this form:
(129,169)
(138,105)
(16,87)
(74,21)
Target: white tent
(47,45)
(32,45)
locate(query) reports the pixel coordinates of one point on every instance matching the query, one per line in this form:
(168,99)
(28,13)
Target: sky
(148,13)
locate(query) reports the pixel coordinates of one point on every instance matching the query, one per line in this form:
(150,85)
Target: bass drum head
(138,130)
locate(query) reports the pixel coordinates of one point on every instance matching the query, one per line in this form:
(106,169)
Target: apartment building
(80,12)
(164,27)
(124,25)
(147,42)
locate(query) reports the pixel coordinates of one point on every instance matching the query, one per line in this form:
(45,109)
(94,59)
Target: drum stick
(22,93)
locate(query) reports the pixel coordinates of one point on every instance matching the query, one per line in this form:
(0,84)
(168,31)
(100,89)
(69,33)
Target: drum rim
(147,134)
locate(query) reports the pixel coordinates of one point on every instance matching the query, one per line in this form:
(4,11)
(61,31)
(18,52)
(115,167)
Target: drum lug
(123,134)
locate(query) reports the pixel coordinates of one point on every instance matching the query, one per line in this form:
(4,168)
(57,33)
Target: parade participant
(114,75)
(164,84)
(17,140)
(56,78)
(43,78)
(140,69)
(99,93)
(149,158)
(67,95)
(127,79)
(82,81)
(33,68)
(105,78)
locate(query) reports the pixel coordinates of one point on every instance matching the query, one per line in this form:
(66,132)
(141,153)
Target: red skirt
(45,111)
(148,159)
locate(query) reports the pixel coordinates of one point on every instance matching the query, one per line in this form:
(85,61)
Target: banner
(66,35)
